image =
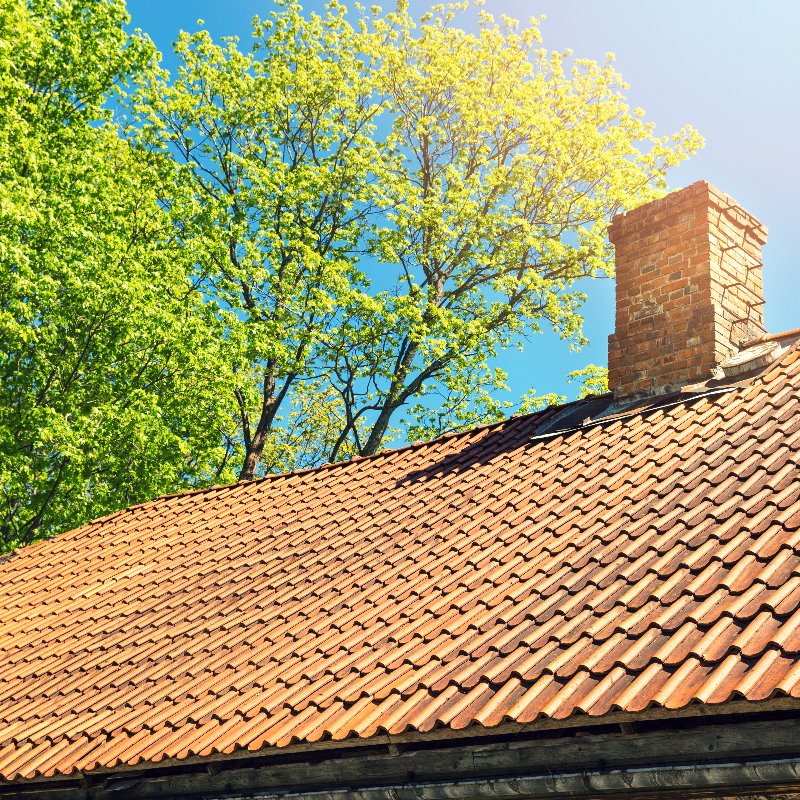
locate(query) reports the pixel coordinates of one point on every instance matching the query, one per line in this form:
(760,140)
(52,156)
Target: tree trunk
(378,431)
(253,455)
(254,445)
(395,397)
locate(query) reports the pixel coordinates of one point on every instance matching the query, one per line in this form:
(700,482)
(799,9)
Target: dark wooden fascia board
(744,709)
(481,761)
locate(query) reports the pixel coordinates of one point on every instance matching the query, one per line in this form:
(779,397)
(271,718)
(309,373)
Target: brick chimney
(689,289)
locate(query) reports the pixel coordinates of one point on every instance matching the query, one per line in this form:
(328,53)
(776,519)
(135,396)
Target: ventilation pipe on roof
(689,290)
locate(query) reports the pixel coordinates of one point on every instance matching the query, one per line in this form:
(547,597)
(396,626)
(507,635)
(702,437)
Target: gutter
(628,782)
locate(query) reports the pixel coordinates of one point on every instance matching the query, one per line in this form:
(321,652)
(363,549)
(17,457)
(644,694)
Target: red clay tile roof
(650,560)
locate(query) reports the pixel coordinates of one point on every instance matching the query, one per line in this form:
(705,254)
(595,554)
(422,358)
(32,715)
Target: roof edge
(576,721)
(384,453)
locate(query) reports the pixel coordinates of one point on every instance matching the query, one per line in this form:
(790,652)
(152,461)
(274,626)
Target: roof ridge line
(385,452)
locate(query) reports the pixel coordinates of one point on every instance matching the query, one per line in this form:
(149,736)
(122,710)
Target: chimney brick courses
(689,289)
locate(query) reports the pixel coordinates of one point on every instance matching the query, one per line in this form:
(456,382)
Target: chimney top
(689,289)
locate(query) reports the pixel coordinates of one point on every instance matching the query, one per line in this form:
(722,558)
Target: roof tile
(649,559)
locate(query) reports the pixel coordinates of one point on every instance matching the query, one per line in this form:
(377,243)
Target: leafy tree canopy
(111,371)
(293,251)
(376,208)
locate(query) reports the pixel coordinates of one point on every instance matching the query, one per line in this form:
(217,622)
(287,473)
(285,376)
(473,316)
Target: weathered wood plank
(456,761)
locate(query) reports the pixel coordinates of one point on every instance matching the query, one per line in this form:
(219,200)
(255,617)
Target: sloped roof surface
(650,560)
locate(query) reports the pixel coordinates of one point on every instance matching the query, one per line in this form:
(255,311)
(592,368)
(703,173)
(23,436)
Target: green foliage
(532,402)
(277,163)
(476,172)
(291,252)
(594,380)
(112,377)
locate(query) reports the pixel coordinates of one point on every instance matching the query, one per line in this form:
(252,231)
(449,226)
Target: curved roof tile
(511,573)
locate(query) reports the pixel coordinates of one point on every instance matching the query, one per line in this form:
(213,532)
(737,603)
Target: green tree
(287,254)
(593,380)
(378,208)
(279,169)
(114,386)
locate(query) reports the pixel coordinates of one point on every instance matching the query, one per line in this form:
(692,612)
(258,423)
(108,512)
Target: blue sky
(731,68)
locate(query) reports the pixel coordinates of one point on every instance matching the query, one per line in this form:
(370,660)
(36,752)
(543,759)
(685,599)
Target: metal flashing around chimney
(751,358)
(607,410)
